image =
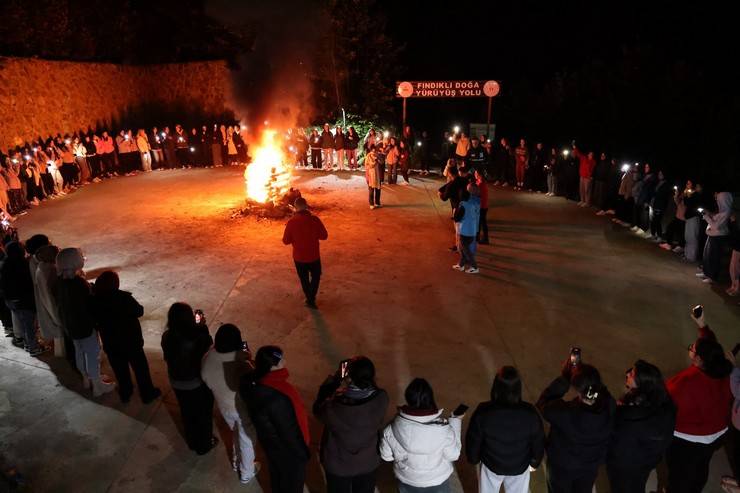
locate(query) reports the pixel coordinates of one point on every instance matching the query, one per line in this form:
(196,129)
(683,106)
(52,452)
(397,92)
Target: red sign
(447,89)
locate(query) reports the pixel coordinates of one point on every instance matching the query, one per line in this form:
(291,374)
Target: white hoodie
(719,224)
(422,448)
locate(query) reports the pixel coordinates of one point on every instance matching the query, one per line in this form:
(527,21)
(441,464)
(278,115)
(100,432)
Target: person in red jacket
(703,401)
(587,163)
(303,231)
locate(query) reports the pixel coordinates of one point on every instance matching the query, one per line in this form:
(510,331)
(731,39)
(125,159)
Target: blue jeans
(440,488)
(87,356)
(23,324)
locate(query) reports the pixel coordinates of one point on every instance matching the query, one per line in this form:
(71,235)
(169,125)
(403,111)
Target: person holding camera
(184,344)
(506,436)
(703,401)
(223,366)
(580,428)
(280,419)
(352,409)
(421,443)
(643,429)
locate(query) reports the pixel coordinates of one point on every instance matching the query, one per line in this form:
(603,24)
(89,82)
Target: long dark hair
(713,358)
(266,358)
(180,317)
(507,386)
(419,395)
(651,390)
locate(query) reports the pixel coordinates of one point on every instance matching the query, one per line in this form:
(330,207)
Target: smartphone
(736,349)
(697,311)
(460,410)
(575,356)
(245,347)
(343,368)
(199,317)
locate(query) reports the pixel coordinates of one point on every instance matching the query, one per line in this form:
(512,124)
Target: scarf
(358,394)
(278,380)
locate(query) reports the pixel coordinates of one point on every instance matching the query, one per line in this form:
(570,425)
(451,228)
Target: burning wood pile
(267,181)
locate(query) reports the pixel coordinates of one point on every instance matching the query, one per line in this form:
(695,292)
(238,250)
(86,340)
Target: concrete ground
(555,276)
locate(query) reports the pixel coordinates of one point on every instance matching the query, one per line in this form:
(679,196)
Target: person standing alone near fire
(303,231)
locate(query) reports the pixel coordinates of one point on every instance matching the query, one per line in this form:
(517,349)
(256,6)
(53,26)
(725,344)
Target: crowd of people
(47,168)
(682,420)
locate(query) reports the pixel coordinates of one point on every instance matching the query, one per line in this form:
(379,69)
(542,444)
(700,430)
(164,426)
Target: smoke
(273,79)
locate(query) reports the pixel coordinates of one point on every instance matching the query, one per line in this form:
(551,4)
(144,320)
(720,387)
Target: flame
(267,177)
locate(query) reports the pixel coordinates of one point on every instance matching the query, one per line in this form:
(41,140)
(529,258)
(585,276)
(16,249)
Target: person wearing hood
(280,419)
(47,309)
(718,234)
(17,288)
(352,409)
(643,429)
(223,366)
(658,205)
(421,443)
(467,220)
(506,436)
(580,429)
(75,312)
(117,315)
(184,344)
(703,399)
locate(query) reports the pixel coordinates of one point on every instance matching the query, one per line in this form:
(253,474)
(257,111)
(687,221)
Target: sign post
(448,89)
(490,89)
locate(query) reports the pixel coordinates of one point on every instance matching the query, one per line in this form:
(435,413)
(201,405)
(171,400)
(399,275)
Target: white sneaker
(372,207)
(601,213)
(458,267)
(611,212)
(700,275)
(678,249)
(665,246)
(706,281)
(100,387)
(634,229)
(473,270)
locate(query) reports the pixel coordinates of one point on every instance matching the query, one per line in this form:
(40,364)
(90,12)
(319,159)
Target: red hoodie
(303,231)
(586,164)
(278,380)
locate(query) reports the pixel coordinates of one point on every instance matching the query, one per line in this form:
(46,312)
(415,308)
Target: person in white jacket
(421,443)
(221,370)
(718,234)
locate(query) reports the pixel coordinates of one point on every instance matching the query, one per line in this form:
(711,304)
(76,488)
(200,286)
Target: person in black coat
(352,409)
(279,418)
(17,289)
(183,344)
(658,205)
(505,435)
(117,314)
(643,429)
(579,429)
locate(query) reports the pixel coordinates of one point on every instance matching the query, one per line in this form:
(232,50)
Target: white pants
(327,155)
(243,453)
(490,482)
(146,161)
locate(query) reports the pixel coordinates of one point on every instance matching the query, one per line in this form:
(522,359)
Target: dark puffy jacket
(275,420)
(648,189)
(15,277)
(349,443)
(661,196)
(183,351)
(327,140)
(117,315)
(579,434)
(476,154)
(601,170)
(351,141)
(507,439)
(641,435)
(75,309)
